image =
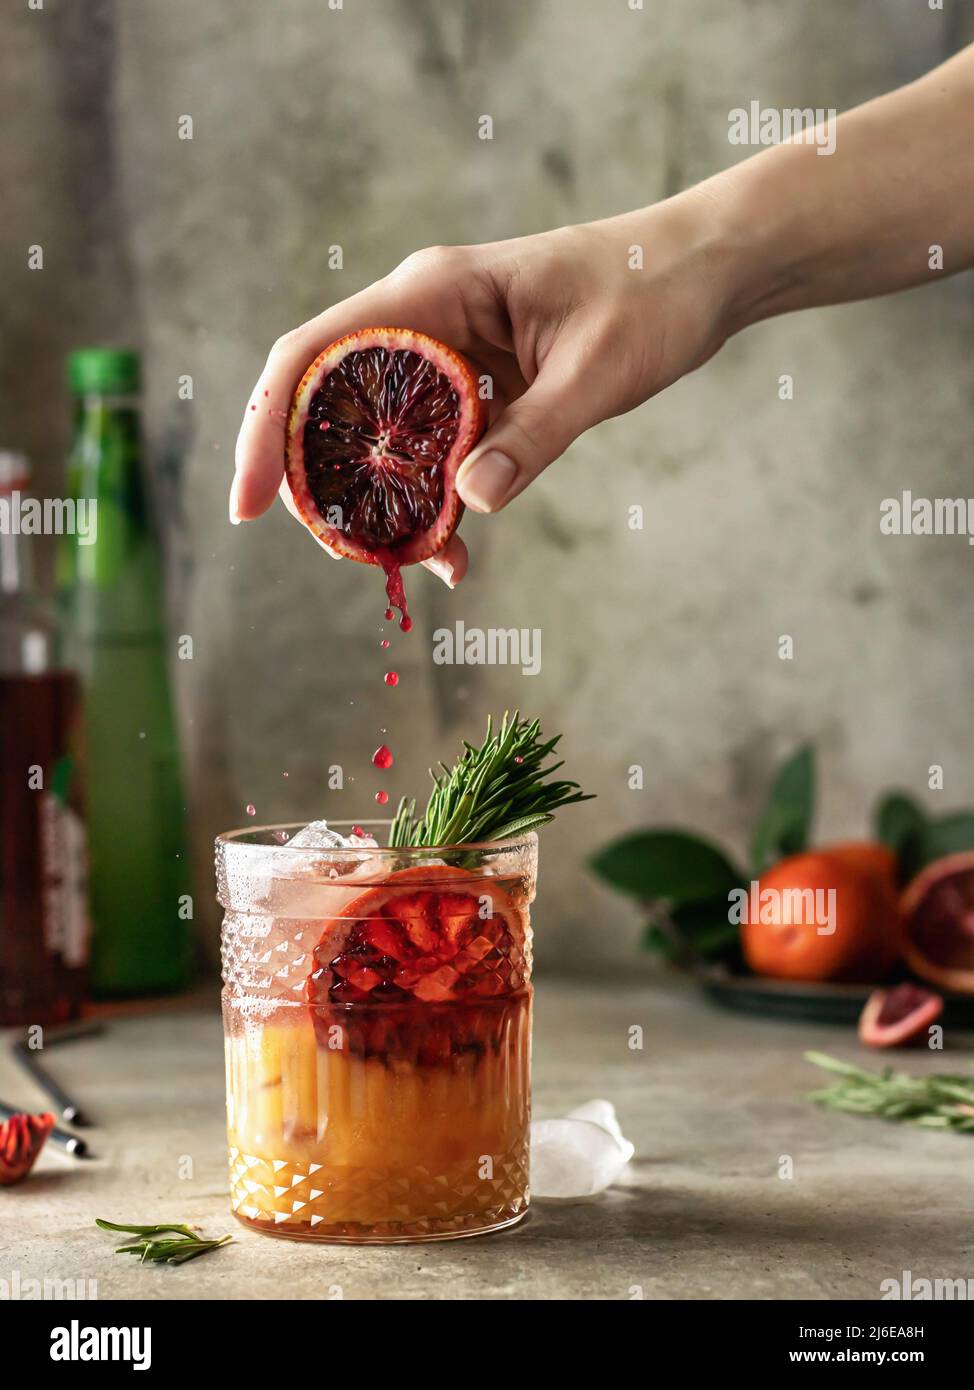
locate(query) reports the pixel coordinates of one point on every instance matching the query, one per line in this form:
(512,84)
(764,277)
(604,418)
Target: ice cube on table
(580,1154)
(600,1112)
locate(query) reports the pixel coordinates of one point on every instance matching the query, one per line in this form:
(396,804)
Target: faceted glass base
(392,1233)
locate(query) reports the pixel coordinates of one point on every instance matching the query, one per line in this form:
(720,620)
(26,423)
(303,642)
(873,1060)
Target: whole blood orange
(938,923)
(378,426)
(869,856)
(856,911)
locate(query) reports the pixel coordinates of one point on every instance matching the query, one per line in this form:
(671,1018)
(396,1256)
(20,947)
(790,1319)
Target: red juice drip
(357,830)
(384,643)
(382,797)
(395,591)
(382,757)
(389,615)
(391,678)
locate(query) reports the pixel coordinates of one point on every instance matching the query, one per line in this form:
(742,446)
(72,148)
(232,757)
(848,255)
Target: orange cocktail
(377,1010)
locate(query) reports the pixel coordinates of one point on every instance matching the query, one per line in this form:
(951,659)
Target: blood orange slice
(938,914)
(900,1015)
(21,1139)
(413,949)
(378,426)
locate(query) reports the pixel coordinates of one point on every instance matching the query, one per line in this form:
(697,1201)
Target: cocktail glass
(377,1016)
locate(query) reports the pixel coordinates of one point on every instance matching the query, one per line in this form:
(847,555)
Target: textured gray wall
(359,126)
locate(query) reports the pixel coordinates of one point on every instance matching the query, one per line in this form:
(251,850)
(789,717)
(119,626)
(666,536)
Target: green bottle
(110,584)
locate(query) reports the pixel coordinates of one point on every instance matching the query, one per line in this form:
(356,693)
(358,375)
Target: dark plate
(751,994)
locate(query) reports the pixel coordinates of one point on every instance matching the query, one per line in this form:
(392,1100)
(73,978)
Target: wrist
(755,262)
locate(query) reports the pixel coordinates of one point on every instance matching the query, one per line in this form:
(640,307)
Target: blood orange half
(938,915)
(378,426)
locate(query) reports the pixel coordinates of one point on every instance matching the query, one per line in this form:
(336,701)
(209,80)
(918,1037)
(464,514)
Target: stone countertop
(713,1102)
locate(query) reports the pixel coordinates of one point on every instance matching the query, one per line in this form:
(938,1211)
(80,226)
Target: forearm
(804,229)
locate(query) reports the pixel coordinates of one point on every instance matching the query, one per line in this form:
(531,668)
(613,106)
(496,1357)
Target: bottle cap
(14,470)
(104,372)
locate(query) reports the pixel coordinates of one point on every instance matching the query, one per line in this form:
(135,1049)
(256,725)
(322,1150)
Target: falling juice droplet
(395,592)
(325,425)
(384,643)
(391,678)
(251,809)
(518,758)
(389,615)
(357,830)
(382,797)
(382,757)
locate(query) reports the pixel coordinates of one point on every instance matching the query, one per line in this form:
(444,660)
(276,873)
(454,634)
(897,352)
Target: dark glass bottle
(44,934)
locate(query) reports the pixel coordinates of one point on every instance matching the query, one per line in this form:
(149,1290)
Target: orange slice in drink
(417,955)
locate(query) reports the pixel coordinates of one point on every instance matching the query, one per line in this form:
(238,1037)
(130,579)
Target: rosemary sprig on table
(939,1101)
(182,1244)
(501,788)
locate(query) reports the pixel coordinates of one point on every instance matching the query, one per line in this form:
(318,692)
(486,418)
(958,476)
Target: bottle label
(64,857)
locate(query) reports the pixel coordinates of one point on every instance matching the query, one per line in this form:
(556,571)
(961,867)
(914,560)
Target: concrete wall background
(359,126)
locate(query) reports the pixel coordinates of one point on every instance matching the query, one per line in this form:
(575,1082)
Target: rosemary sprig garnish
(940,1101)
(501,788)
(152,1247)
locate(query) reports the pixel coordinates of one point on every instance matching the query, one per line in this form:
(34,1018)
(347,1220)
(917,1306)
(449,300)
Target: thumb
(532,432)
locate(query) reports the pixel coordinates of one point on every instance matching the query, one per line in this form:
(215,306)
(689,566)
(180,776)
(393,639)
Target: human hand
(573,326)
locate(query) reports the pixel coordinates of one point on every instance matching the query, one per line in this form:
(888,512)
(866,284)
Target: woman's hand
(573,326)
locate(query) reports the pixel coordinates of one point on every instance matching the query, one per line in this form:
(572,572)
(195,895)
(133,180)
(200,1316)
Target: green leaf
(896,818)
(667,864)
(785,822)
(693,933)
(946,835)
(660,941)
(706,929)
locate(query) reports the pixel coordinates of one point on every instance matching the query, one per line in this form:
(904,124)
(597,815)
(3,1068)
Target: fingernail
(442,569)
(488,481)
(234,514)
